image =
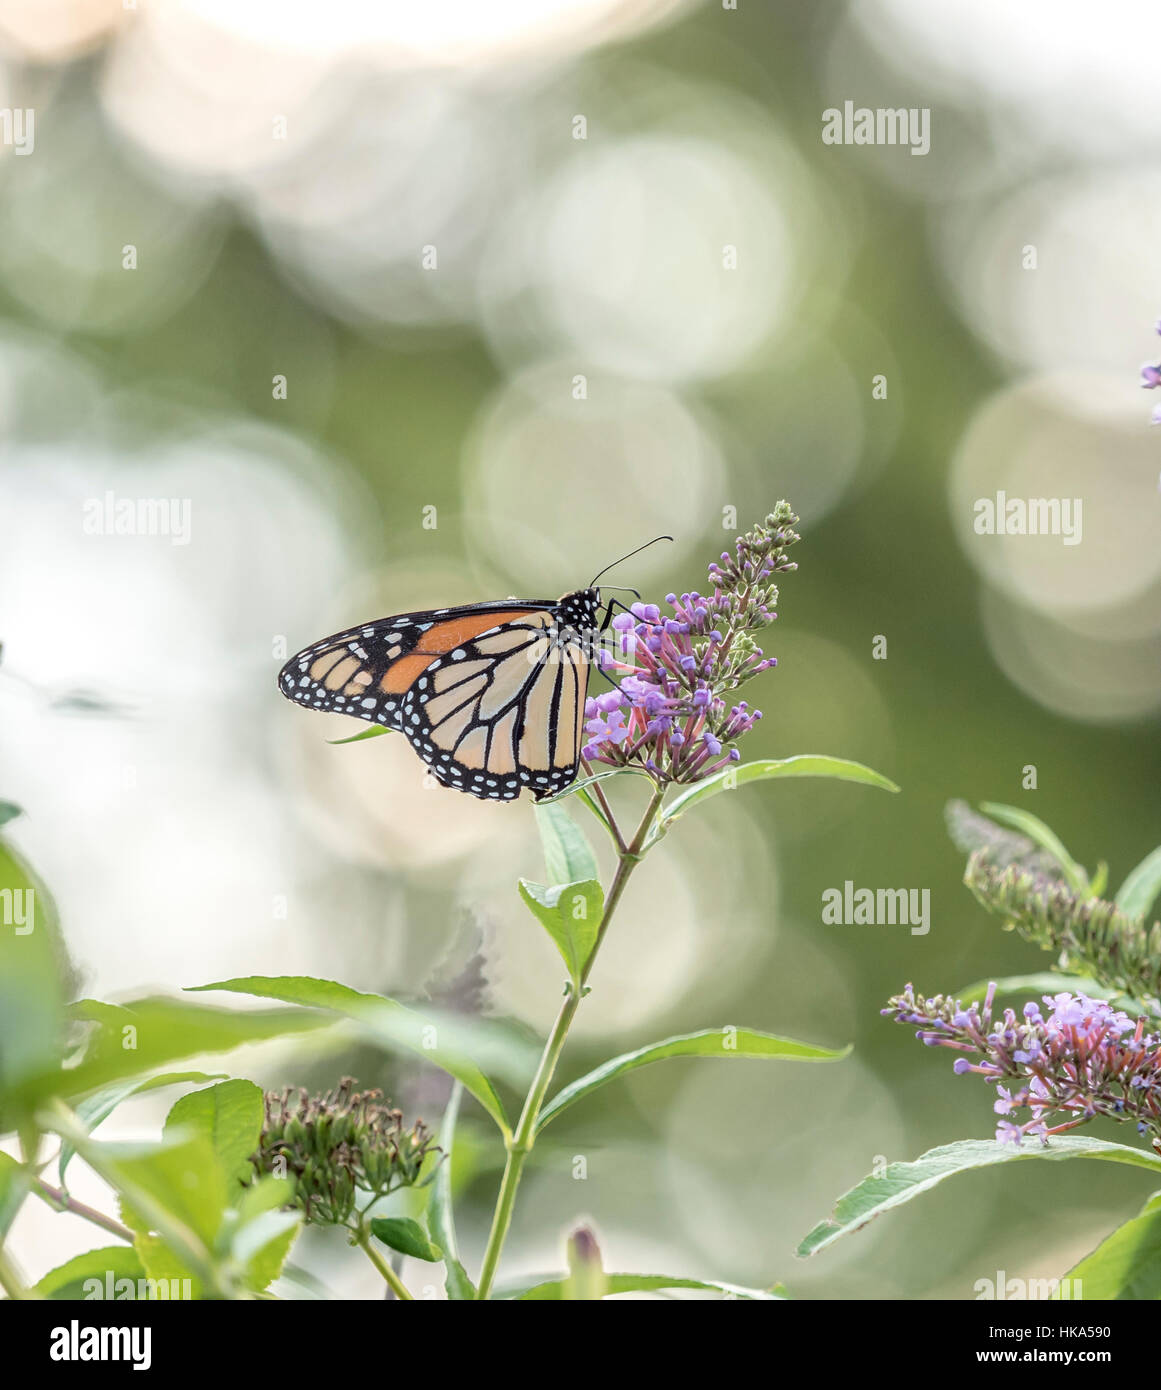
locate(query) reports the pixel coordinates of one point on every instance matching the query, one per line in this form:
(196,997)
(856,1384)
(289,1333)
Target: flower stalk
(11,1282)
(522,1140)
(365,1242)
(671,718)
(63,1201)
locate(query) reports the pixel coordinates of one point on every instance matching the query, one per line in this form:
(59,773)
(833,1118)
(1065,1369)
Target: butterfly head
(580,609)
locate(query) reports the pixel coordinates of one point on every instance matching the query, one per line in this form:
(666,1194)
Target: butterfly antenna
(615,563)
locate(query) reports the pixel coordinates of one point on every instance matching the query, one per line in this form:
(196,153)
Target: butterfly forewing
(491,696)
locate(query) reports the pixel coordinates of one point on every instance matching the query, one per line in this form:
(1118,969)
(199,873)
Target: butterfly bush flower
(672,713)
(1068,1062)
(338,1145)
(1150,377)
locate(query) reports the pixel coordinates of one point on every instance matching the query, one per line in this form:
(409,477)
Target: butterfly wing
(491,696)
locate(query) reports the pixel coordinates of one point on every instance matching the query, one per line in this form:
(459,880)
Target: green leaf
(553,1289)
(376,731)
(725,1043)
(900,1182)
(571,905)
(173,1196)
(406,1236)
(1127,1264)
(166,1267)
(106,1266)
(308,1286)
(264,1233)
(9,811)
(804,765)
(590,803)
(440,1215)
(571,914)
(1044,836)
(261,1248)
(267,1193)
(15,1183)
(178,1190)
(456,1044)
(260,1233)
(458,1282)
(568,857)
(230,1116)
(440,1212)
(138,1037)
(31,995)
(95,1108)
(183,1177)
(1139,891)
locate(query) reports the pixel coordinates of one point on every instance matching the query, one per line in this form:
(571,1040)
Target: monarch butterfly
(490,695)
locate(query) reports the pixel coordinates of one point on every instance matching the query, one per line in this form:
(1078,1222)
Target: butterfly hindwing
(491,696)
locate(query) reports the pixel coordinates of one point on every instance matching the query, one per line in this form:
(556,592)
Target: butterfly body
(490,695)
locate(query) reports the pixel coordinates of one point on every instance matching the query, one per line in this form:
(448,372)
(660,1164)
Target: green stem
(10,1280)
(603,802)
(521,1142)
(394,1283)
(58,1198)
(520,1145)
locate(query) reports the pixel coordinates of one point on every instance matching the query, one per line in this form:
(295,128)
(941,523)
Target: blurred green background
(564,346)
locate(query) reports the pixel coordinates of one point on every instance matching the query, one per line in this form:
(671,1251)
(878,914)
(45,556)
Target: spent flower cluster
(338,1145)
(671,713)
(1077,1059)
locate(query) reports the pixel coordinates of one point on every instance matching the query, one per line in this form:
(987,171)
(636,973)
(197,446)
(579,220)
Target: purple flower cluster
(671,713)
(1079,1058)
(1150,377)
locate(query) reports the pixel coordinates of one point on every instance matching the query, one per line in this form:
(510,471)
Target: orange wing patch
(405,672)
(441,638)
(445,637)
